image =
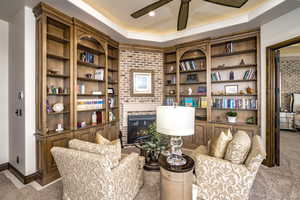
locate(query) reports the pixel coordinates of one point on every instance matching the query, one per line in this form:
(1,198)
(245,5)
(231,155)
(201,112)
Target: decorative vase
(231,119)
(58,107)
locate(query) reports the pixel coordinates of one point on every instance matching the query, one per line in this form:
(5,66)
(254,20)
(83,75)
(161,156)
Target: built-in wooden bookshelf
(76,67)
(237,55)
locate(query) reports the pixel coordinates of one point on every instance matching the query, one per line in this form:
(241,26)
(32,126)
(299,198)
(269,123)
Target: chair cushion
(110,151)
(238,148)
(218,145)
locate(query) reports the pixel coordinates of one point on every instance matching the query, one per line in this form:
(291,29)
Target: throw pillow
(100,139)
(218,145)
(238,148)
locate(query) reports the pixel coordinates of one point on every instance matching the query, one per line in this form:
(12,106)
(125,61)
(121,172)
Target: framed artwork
(142,83)
(231,89)
(110,90)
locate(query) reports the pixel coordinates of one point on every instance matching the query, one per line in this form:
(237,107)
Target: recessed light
(151,13)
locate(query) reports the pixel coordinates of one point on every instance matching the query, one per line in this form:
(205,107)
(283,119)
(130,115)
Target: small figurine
(242,62)
(190,91)
(59,128)
(250,90)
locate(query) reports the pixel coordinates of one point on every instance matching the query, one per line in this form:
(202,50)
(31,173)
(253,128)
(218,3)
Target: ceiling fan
(184,9)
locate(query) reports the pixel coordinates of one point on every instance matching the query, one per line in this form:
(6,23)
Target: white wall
(278,30)
(4,50)
(22,79)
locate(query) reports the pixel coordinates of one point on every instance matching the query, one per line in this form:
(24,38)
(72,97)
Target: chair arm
(141,160)
(214,171)
(126,176)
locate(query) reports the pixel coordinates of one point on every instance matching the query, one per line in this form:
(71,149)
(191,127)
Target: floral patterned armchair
(219,179)
(89,176)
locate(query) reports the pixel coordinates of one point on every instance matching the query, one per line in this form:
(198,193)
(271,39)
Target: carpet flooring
(278,183)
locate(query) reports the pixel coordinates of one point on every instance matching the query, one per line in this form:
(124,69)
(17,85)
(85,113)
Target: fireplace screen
(137,123)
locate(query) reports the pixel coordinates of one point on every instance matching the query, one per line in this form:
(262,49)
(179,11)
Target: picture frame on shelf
(231,89)
(142,83)
(110,91)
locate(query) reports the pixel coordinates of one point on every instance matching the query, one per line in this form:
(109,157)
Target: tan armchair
(220,179)
(89,176)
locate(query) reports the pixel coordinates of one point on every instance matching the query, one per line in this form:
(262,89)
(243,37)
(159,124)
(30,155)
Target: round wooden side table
(176,182)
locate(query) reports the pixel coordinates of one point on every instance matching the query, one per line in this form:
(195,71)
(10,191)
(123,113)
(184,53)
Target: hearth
(137,123)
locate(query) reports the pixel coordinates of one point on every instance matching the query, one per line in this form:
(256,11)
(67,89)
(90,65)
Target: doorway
(281,111)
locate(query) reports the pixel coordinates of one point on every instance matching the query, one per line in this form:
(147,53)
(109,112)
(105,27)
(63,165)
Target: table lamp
(176,121)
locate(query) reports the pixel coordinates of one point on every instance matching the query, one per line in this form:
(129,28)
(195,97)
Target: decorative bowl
(58,107)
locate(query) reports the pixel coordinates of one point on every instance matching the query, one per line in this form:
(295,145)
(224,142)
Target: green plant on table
(154,142)
(231,114)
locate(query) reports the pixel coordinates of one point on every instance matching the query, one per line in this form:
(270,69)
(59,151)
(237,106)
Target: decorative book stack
(90,104)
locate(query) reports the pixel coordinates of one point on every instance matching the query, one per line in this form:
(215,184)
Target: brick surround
(290,79)
(139,59)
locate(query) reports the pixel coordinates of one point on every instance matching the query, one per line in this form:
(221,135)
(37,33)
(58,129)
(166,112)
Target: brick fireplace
(139,58)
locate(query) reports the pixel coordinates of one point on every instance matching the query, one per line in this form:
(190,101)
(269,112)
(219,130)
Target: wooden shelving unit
(235,53)
(74,60)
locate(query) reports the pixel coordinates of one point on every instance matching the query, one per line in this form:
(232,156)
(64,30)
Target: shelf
(193,58)
(58,76)
(112,57)
(170,95)
(113,108)
(53,132)
(112,70)
(198,108)
(58,57)
(234,95)
(89,49)
(90,95)
(86,64)
(91,110)
(233,81)
(90,126)
(233,124)
(195,83)
(56,38)
(170,62)
(58,113)
(112,83)
(89,79)
(235,109)
(193,95)
(170,73)
(234,53)
(62,94)
(234,41)
(113,95)
(192,71)
(174,84)
(233,67)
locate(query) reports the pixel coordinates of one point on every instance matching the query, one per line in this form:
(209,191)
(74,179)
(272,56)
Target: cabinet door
(217,129)
(55,141)
(199,137)
(86,135)
(112,131)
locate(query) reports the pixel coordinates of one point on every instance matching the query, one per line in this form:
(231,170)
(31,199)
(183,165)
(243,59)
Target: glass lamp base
(176,160)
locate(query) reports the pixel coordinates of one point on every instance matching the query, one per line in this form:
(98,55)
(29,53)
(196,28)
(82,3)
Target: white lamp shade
(175,121)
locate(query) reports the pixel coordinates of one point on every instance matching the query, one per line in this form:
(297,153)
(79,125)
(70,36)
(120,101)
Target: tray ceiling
(165,20)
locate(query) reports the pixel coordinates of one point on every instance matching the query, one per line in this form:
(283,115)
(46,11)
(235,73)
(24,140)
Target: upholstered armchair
(219,179)
(90,176)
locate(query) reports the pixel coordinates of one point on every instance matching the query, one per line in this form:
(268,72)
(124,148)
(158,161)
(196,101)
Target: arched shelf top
(193,53)
(92,43)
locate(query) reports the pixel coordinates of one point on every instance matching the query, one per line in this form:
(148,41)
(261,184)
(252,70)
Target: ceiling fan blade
(183,14)
(230,3)
(149,8)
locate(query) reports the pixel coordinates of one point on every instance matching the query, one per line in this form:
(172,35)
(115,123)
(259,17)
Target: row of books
(87,57)
(169,101)
(90,104)
(234,103)
(249,74)
(216,76)
(194,102)
(188,65)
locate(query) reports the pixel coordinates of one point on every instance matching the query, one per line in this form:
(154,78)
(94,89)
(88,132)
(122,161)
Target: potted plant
(231,116)
(152,144)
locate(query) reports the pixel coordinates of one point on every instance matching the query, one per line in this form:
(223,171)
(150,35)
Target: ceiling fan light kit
(184,9)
